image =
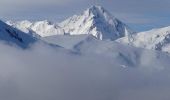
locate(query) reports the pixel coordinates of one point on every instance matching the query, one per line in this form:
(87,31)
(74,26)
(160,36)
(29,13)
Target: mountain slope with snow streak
(14,36)
(156,39)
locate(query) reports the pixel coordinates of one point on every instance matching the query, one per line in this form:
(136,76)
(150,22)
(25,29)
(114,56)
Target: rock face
(14,36)
(95,21)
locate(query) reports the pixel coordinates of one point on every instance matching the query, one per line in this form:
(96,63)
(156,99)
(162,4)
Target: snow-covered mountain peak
(98,22)
(39,28)
(95,21)
(95,10)
(98,11)
(44,23)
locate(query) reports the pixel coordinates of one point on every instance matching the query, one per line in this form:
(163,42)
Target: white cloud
(45,73)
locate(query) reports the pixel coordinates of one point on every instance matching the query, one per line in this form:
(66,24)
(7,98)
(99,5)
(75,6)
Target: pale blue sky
(138,14)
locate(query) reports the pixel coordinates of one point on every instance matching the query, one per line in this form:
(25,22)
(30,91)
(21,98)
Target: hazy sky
(139,14)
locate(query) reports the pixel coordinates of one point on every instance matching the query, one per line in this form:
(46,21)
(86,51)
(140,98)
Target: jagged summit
(98,22)
(96,10)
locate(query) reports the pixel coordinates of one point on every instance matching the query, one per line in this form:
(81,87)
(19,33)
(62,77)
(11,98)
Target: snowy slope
(126,56)
(156,39)
(67,41)
(95,21)
(14,36)
(98,22)
(39,28)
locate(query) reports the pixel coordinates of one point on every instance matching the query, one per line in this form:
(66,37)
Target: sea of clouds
(43,72)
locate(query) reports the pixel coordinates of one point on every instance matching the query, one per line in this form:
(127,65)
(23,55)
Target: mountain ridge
(95,20)
(155,39)
(13,36)
(99,23)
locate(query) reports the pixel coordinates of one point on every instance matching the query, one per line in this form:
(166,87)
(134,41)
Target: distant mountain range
(94,21)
